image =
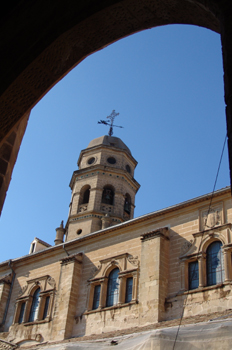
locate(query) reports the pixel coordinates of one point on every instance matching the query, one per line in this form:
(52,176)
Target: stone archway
(43,41)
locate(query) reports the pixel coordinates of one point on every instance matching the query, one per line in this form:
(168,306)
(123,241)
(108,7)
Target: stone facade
(152,255)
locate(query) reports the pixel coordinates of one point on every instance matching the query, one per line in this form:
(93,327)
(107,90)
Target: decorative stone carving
(125,262)
(212,218)
(6,278)
(38,337)
(133,260)
(107,209)
(186,246)
(52,282)
(5,345)
(22,290)
(82,208)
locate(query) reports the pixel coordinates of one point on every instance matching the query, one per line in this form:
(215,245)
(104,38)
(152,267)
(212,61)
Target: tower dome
(103,188)
(110,141)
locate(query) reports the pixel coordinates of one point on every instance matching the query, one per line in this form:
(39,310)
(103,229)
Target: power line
(191,277)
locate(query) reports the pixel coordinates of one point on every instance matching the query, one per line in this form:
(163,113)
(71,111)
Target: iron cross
(111,123)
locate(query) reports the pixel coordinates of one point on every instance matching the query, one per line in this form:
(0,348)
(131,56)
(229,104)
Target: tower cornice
(103,170)
(92,150)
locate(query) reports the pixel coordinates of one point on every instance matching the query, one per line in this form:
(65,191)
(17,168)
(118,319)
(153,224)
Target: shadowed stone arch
(42,41)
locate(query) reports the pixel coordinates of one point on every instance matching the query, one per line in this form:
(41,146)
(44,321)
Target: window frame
(209,258)
(102,278)
(113,285)
(196,263)
(35,306)
(27,298)
(201,256)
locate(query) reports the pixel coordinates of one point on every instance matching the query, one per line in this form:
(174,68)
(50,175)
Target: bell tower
(103,189)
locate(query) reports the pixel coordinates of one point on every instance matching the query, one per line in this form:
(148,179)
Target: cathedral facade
(109,271)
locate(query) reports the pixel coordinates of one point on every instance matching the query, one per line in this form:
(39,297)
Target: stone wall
(154,250)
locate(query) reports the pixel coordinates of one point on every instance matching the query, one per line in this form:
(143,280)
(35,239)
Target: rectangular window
(22,309)
(129,288)
(193,275)
(46,307)
(96,297)
(32,248)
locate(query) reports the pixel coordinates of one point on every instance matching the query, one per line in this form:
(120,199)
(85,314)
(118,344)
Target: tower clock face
(111,160)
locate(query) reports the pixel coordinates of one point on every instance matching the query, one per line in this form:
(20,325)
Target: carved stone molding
(186,246)
(160,232)
(5,345)
(72,258)
(52,282)
(211,218)
(22,290)
(134,260)
(125,262)
(6,279)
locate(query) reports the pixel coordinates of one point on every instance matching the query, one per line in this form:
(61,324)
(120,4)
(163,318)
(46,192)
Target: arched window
(34,306)
(127,204)
(113,288)
(86,196)
(108,196)
(215,264)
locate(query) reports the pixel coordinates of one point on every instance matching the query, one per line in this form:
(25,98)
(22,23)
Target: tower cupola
(103,188)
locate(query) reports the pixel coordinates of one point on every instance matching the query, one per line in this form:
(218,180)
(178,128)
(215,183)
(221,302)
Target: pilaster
(154,275)
(70,274)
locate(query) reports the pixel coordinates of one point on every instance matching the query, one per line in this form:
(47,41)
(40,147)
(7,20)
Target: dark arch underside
(42,41)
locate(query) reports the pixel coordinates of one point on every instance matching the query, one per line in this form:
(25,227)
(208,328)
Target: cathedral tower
(103,189)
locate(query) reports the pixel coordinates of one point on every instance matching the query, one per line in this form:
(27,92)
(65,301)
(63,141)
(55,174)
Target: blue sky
(167,85)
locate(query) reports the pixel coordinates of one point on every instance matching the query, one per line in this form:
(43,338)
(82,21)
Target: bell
(127,207)
(107,196)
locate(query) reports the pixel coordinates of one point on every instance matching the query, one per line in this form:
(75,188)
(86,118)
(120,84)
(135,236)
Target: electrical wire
(191,277)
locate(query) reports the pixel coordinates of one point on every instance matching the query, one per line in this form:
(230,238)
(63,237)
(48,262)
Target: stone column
(226,256)
(122,290)
(4,293)
(135,287)
(226,35)
(102,301)
(202,270)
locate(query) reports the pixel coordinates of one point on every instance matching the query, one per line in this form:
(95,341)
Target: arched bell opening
(127,206)
(84,198)
(108,195)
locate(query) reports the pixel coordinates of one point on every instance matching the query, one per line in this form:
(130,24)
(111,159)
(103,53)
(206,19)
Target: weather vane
(111,123)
